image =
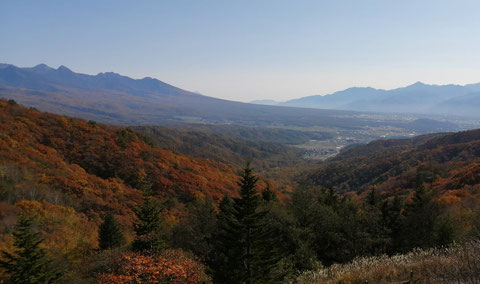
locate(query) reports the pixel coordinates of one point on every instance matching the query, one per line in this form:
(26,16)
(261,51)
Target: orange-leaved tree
(171,266)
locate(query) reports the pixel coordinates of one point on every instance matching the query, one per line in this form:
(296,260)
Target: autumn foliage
(94,168)
(446,162)
(171,266)
(67,173)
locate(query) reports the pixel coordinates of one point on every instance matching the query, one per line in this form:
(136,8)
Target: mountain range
(417,98)
(115,99)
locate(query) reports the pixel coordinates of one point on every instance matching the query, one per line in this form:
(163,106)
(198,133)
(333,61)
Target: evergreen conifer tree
(268,194)
(110,234)
(392,221)
(420,218)
(149,227)
(373,197)
(245,249)
(225,267)
(378,238)
(29,264)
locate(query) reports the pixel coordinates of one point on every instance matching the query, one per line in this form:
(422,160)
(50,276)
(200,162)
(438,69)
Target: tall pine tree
(224,265)
(392,221)
(149,227)
(29,264)
(245,249)
(110,234)
(268,195)
(420,219)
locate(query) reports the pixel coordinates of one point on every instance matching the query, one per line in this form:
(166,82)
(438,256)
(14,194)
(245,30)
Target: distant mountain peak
(43,77)
(42,67)
(64,69)
(108,74)
(418,84)
(359,88)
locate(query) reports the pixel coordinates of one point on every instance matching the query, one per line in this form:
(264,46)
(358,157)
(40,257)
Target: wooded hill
(70,171)
(449,163)
(263,155)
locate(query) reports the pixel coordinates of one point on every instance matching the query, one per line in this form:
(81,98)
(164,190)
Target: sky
(246,50)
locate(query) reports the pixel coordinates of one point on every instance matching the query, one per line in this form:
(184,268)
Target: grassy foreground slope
(453,264)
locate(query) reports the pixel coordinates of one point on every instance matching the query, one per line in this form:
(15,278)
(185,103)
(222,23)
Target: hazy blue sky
(244,50)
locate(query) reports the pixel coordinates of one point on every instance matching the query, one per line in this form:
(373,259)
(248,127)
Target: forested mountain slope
(45,141)
(71,171)
(68,173)
(257,134)
(446,162)
(263,155)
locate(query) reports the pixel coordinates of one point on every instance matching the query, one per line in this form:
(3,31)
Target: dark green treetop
(29,263)
(110,234)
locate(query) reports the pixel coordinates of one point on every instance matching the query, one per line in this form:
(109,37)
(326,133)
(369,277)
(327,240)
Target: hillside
(448,163)
(263,155)
(67,173)
(259,134)
(73,171)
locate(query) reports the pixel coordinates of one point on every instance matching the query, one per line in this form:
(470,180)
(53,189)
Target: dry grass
(454,264)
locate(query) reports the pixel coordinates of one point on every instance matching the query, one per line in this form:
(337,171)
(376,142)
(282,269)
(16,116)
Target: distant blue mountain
(337,99)
(468,105)
(45,78)
(416,98)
